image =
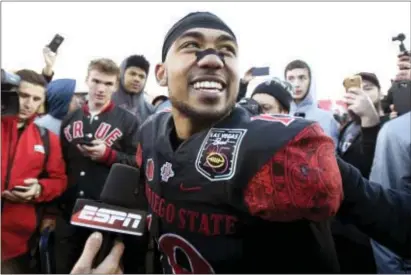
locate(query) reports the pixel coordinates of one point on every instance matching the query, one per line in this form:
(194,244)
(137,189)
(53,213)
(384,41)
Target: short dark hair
(104,65)
(138,61)
(32,77)
(297,64)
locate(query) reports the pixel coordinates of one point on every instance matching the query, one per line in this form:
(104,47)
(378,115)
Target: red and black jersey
(117,127)
(253,194)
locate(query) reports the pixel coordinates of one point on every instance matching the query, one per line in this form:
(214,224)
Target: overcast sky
(336,39)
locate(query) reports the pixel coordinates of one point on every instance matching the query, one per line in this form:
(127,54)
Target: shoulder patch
(217,158)
(286,120)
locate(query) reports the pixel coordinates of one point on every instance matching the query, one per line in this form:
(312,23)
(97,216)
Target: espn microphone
(116,211)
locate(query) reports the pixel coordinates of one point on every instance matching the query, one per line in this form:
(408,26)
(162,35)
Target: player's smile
(208,87)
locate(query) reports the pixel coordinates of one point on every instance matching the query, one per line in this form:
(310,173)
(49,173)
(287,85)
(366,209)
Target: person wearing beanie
(274,96)
(130,96)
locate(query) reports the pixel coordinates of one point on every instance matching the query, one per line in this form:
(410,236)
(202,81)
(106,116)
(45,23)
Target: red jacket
(19,221)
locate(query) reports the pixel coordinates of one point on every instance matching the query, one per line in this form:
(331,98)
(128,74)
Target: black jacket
(86,177)
(382,214)
(360,153)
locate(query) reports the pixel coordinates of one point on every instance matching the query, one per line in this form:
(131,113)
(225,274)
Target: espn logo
(108,220)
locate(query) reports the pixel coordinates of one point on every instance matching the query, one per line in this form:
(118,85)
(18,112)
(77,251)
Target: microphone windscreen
(122,186)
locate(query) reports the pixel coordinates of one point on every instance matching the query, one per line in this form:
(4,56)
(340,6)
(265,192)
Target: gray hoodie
(132,102)
(392,168)
(309,106)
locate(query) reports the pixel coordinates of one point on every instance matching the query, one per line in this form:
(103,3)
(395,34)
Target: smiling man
(224,186)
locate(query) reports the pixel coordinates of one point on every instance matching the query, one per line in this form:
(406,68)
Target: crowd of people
(225,177)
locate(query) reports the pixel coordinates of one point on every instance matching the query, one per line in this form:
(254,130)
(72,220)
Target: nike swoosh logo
(189,189)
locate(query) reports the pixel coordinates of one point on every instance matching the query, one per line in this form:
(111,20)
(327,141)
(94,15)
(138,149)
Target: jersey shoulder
(277,122)
(156,124)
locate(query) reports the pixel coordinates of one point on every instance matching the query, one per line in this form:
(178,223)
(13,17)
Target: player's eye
(228,49)
(190,45)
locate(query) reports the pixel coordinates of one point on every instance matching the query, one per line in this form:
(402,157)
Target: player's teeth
(208,85)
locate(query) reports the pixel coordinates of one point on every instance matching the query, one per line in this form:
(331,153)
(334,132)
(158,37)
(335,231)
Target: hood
(310,99)
(134,103)
(59,95)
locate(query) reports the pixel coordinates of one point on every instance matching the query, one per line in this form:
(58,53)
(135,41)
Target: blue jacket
(391,168)
(59,95)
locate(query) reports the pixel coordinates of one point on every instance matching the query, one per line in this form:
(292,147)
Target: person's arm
(310,158)
(56,182)
(242,90)
(128,154)
(381,213)
(49,60)
(248,76)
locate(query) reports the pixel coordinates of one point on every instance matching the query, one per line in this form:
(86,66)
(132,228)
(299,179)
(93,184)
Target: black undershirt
(174,139)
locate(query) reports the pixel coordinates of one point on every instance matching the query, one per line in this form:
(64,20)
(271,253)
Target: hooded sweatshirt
(392,162)
(59,95)
(132,102)
(309,107)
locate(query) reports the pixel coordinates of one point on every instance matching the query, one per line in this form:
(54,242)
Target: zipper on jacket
(9,166)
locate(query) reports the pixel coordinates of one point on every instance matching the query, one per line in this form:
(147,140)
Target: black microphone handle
(106,246)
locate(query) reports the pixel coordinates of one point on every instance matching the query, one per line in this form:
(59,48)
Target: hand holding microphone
(110,265)
(114,215)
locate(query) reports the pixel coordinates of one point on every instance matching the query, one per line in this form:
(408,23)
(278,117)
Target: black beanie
(279,90)
(191,21)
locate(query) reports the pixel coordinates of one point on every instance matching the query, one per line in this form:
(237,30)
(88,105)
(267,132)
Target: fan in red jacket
(22,163)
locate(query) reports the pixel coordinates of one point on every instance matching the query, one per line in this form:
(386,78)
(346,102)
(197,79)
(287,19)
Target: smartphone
(55,43)
(20,188)
(353,82)
(85,142)
(260,71)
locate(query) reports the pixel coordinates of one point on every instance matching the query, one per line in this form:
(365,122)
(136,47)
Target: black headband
(191,21)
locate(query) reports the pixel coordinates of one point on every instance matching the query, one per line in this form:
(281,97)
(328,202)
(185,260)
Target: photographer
(32,173)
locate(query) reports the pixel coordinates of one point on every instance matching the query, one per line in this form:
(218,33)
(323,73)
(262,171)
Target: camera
(400,90)
(401,37)
(9,96)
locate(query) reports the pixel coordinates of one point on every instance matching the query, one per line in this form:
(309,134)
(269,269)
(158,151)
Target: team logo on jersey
(166,171)
(217,157)
(150,169)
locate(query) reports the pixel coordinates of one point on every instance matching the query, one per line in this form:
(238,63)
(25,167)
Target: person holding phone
(93,138)
(30,174)
(356,145)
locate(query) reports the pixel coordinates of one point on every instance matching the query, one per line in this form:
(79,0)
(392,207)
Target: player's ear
(161,74)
